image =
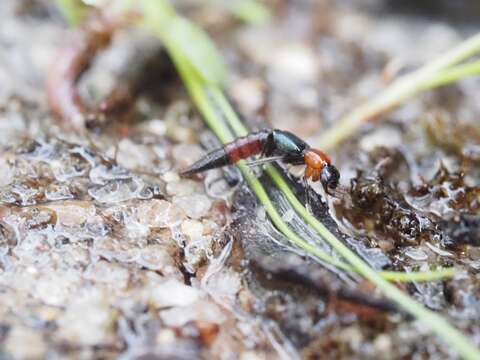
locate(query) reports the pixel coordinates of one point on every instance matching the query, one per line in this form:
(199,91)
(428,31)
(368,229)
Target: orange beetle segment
(316,159)
(309,171)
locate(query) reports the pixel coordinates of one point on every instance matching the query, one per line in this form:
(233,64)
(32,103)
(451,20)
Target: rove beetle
(272,145)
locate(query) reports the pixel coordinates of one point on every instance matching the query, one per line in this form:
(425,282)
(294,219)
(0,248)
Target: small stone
(195,206)
(259,43)
(157,258)
(7,173)
(102,174)
(159,214)
(225,284)
(251,355)
(173,293)
(200,310)
(186,154)
(133,156)
(165,337)
(416,254)
(352,336)
(38,217)
(182,187)
(388,137)
(56,192)
(112,274)
(156,126)
(72,212)
(193,229)
(25,343)
(383,344)
(88,320)
(120,190)
(386,245)
(53,289)
(297,62)
(250,94)
(170,176)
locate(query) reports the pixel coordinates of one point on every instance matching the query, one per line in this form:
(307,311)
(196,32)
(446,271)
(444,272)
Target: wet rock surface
(105,252)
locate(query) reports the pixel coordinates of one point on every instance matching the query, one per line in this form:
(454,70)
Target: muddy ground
(105,252)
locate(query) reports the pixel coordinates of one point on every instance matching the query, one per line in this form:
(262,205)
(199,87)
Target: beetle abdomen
(215,159)
(244,147)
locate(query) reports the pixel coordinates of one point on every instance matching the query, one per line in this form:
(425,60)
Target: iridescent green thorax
(290,145)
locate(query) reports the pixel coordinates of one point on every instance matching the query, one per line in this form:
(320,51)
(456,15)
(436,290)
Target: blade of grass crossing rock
(441,71)
(200,97)
(437,323)
(211,116)
(197,87)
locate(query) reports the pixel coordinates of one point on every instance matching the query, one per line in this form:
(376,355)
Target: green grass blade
(197,87)
(451,75)
(251,11)
(432,74)
(437,323)
(74,11)
(182,36)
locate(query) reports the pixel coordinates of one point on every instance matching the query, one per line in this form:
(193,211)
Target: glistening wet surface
(105,252)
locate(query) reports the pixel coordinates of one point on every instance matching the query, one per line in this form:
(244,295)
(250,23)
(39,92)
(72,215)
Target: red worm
(70,63)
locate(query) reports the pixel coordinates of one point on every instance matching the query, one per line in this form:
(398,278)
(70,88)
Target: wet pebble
(415,254)
(7,173)
(193,229)
(182,187)
(186,154)
(72,213)
(135,156)
(250,94)
(195,206)
(102,174)
(55,287)
(25,343)
(173,293)
(387,137)
(295,61)
(121,190)
(200,310)
(157,258)
(110,274)
(88,320)
(159,214)
(226,284)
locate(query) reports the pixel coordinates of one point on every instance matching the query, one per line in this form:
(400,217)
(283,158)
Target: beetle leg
(309,172)
(307,196)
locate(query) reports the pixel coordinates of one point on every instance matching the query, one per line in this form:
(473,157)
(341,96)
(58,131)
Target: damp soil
(106,252)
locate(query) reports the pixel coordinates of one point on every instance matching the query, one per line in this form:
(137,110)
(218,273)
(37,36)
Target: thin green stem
(451,75)
(241,130)
(201,99)
(438,324)
(402,89)
(198,88)
(418,276)
(74,11)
